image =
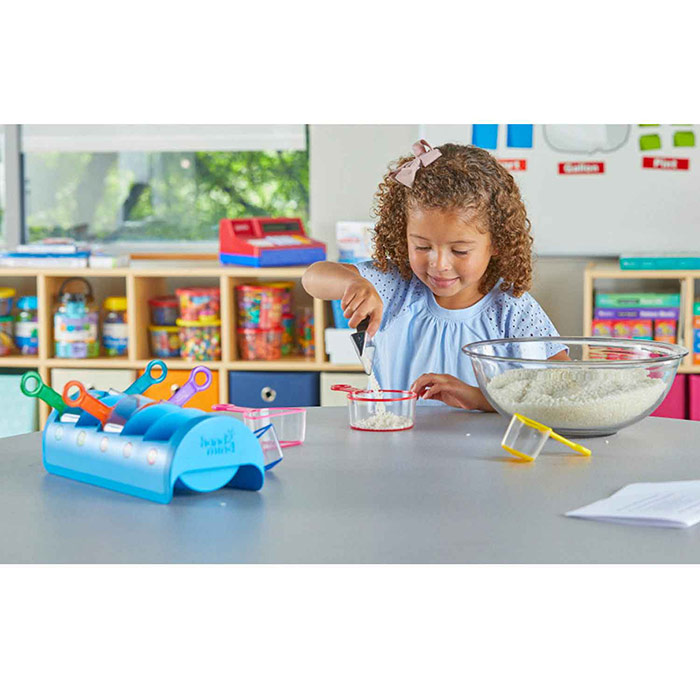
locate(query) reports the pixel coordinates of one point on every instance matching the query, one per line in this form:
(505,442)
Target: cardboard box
(665,331)
(601,328)
(339,346)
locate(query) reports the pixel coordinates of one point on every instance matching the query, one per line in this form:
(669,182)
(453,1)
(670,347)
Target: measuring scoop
(148,378)
(192,386)
(112,418)
(32,385)
(525,438)
(363,345)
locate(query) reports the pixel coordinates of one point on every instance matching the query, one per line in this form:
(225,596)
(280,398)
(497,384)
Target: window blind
(107,138)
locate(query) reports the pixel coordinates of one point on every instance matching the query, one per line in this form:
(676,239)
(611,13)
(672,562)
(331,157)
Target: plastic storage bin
(7,297)
(258,344)
(285,295)
(259,306)
(175,380)
(75,321)
(289,423)
(115,330)
(164,310)
(165,341)
(673,406)
(273,389)
(7,341)
(18,414)
(199,303)
(288,327)
(27,326)
(200,340)
(693,396)
(97,379)
(305,333)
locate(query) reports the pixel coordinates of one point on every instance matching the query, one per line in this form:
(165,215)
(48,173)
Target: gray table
(428,495)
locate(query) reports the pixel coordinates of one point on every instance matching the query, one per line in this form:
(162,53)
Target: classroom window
(177,190)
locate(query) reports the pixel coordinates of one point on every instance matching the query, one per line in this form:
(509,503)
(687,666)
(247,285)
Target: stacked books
(696,333)
(660,261)
(643,315)
(50,252)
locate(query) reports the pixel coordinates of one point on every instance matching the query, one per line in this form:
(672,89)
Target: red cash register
(261,242)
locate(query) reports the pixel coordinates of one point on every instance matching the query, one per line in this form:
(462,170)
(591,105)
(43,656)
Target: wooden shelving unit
(685,279)
(139,284)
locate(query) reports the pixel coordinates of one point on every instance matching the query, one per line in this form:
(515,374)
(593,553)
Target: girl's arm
(450,390)
(454,392)
(358,297)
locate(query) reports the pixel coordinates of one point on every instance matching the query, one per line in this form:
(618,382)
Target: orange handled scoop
(85,401)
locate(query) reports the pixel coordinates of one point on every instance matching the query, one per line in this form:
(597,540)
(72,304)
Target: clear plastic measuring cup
(524,438)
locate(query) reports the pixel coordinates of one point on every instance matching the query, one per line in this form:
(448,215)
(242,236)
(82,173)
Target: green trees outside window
(109,197)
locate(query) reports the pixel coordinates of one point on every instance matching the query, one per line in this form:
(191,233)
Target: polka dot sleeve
(391,287)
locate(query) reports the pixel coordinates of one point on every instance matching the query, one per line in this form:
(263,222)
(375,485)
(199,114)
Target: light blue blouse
(417,335)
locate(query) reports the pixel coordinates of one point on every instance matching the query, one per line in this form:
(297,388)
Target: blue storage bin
(339,321)
(18,414)
(268,389)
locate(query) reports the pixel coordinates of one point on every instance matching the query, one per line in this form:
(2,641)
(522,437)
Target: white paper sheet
(662,504)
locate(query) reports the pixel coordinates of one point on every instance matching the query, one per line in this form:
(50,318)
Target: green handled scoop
(32,385)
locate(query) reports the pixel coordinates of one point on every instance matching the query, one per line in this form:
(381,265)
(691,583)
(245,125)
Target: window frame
(14,179)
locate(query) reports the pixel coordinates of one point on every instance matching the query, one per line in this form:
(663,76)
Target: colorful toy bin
(164,310)
(145,448)
(199,303)
(260,306)
(165,341)
(7,297)
(27,326)
(7,341)
(259,343)
(75,320)
(200,340)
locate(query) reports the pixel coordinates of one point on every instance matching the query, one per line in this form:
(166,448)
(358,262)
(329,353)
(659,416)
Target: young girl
(452,265)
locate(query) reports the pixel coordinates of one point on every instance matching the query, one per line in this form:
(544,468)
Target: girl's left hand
(450,390)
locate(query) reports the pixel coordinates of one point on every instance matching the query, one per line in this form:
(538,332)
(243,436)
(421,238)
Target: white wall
(347,163)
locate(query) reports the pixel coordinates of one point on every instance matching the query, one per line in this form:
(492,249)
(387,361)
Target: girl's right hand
(359,301)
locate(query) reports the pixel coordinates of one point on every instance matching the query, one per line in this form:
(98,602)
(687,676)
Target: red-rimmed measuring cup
(381,411)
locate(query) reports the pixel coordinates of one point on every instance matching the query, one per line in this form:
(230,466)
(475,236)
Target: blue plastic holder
(162,447)
(150,449)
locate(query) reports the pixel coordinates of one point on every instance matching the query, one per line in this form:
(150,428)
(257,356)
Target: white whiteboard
(626,209)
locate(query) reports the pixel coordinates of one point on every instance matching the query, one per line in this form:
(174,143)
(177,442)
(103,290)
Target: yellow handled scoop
(525,438)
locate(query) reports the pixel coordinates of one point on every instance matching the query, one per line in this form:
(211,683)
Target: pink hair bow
(425,155)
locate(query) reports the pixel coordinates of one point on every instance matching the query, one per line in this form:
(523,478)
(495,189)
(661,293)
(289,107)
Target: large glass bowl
(605,385)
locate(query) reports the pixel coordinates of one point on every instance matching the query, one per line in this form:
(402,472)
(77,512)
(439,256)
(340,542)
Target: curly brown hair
(465,178)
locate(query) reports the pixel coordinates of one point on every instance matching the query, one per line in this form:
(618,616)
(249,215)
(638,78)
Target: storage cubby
(150,286)
(300,300)
(102,286)
(138,285)
(610,278)
(24,285)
